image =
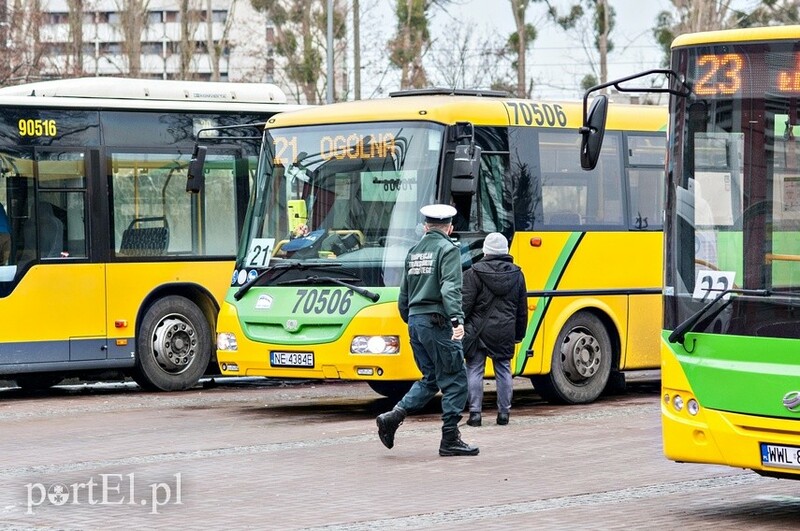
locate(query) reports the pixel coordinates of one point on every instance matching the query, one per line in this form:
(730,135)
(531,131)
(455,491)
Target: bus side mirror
(467,160)
(196,177)
(594,127)
(466,165)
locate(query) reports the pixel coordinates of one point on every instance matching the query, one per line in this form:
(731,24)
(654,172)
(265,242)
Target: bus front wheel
(173,346)
(581,364)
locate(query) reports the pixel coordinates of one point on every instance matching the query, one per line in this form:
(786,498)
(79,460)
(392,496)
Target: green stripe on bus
(541,308)
(747,375)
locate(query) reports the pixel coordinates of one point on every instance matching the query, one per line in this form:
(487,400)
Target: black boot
(453,445)
(474,418)
(388,423)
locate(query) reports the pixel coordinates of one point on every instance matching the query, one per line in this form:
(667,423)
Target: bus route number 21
(710,284)
(260,252)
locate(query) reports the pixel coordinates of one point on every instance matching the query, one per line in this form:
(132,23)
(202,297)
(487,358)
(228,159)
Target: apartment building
(224,40)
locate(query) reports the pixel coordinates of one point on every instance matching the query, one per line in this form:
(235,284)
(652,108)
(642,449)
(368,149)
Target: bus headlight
(375,345)
(226,341)
(692,407)
(677,403)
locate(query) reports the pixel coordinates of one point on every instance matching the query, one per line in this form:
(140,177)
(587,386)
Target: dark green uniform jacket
(432,278)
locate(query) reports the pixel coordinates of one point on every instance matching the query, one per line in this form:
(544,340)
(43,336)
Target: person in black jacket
(496,316)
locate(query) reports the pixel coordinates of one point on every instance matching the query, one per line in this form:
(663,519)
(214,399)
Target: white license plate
(291,359)
(779,456)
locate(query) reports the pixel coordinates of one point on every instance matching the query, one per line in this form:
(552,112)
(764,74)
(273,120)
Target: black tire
(393,390)
(37,381)
(173,346)
(581,365)
(616,384)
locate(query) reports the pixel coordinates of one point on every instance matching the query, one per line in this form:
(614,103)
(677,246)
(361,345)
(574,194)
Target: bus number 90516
(29,127)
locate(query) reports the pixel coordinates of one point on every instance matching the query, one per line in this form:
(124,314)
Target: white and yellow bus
(112,265)
(336,208)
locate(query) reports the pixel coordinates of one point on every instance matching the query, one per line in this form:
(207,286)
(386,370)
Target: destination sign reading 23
(742,74)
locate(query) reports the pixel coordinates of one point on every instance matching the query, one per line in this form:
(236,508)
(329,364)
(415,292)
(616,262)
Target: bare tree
(133,21)
(590,22)
(186,45)
(689,16)
(23,50)
(520,41)
(217,46)
(470,61)
(300,29)
(772,12)
(411,42)
(75,21)
(357,49)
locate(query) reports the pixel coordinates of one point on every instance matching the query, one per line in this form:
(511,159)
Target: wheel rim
(174,344)
(580,355)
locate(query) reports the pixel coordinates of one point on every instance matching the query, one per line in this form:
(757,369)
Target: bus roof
(769,33)
(449,109)
(150,89)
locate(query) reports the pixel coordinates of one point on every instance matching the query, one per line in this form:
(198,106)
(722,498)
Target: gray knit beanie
(495,244)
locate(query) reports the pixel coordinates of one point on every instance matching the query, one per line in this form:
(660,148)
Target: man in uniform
(430,302)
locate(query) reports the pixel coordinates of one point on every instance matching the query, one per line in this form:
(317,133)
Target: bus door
(50,285)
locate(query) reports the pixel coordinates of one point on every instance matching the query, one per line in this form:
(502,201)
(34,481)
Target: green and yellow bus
(111,265)
(336,208)
(730,354)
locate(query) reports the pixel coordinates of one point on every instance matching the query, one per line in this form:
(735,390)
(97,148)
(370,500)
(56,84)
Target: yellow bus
(730,351)
(109,265)
(336,208)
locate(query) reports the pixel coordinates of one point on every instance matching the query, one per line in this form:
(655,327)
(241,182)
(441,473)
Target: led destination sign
(744,71)
(378,144)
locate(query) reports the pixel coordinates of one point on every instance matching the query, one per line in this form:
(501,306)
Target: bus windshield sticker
(709,284)
(389,186)
(260,252)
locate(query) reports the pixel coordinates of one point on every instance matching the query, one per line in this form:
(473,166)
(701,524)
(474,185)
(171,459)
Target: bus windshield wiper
(282,268)
(678,335)
(314,279)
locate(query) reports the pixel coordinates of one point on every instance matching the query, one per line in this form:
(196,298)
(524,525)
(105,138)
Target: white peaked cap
(438,213)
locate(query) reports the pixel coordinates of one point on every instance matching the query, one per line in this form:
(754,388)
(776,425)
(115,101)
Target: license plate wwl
(780,456)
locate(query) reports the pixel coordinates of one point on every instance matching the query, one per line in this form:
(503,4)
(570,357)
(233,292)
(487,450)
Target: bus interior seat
(140,240)
(51,232)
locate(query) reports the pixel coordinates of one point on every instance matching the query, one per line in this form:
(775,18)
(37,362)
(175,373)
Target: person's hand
(300,231)
(458,332)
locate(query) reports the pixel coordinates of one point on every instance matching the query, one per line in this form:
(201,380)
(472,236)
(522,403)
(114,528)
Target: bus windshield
(350,195)
(736,164)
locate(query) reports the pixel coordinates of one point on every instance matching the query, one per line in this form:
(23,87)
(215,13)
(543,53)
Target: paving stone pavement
(253,454)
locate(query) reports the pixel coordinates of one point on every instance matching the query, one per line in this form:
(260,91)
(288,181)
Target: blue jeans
(440,359)
(476,368)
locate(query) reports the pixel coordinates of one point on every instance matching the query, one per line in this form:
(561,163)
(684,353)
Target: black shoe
(453,445)
(474,419)
(388,423)
(502,419)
